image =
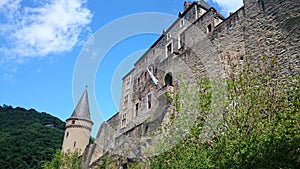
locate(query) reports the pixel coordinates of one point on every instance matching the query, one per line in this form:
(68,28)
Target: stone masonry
(200,43)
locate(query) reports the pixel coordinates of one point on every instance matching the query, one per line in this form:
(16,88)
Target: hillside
(27,137)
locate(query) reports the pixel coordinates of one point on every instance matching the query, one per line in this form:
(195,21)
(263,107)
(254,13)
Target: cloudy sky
(40,42)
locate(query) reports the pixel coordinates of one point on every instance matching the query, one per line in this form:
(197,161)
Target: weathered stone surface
(212,45)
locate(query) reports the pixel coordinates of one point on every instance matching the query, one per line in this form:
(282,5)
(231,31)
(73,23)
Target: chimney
(187,5)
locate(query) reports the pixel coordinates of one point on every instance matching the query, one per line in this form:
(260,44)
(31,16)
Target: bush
(259,128)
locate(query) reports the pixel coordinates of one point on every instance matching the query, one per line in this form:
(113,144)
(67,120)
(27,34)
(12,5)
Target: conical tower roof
(82,110)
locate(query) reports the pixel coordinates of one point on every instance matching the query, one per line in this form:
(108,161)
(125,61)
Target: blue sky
(41,42)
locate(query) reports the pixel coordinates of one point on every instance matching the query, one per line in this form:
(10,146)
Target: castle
(200,43)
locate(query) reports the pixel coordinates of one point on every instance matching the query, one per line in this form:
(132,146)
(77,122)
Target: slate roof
(82,110)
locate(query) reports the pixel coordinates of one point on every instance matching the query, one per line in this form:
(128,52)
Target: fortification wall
(259,28)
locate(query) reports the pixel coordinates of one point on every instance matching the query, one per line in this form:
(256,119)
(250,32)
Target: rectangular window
(123,122)
(181,23)
(125,101)
(209,28)
(136,110)
(149,101)
(127,83)
(169,36)
(181,40)
(169,49)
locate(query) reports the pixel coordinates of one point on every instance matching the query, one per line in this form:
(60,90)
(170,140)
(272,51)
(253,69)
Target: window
(145,76)
(73,121)
(125,101)
(127,83)
(169,36)
(153,51)
(209,28)
(181,23)
(139,81)
(123,122)
(149,101)
(74,144)
(67,134)
(136,109)
(169,49)
(181,40)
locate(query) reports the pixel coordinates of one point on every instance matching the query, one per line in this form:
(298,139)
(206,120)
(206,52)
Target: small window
(169,49)
(123,122)
(153,51)
(73,121)
(74,145)
(125,101)
(209,28)
(128,83)
(139,81)
(145,76)
(241,58)
(136,109)
(181,23)
(149,101)
(169,36)
(181,40)
(67,135)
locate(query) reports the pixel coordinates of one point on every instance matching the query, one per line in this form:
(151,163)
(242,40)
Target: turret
(78,127)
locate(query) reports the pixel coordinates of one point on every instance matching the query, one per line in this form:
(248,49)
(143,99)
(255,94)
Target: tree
(64,160)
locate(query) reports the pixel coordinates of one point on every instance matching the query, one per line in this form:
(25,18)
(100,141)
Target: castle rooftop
(82,110)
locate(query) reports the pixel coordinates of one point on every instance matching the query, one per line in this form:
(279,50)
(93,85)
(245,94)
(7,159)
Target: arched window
(168,79)
(145,76)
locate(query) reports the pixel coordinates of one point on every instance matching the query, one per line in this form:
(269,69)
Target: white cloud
(228,5)
(41,29)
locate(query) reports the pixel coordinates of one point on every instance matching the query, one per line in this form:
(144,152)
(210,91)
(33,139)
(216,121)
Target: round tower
(78,127)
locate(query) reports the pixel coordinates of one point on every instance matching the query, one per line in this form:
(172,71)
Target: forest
(28,138)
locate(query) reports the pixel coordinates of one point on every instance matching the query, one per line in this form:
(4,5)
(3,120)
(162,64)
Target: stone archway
(168,79)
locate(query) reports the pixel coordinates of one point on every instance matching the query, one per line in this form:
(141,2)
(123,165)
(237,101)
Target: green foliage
(27,137)
(68,160)
(107,161)
(260,127)
(177,103)
(115,162)
(169,96)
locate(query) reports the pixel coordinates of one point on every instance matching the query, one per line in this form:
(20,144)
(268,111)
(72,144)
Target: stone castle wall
(259,28)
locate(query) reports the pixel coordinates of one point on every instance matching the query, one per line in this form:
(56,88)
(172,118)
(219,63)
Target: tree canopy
(27,137)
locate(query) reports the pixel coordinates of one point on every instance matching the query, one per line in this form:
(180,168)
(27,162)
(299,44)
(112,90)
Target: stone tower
(78,127)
